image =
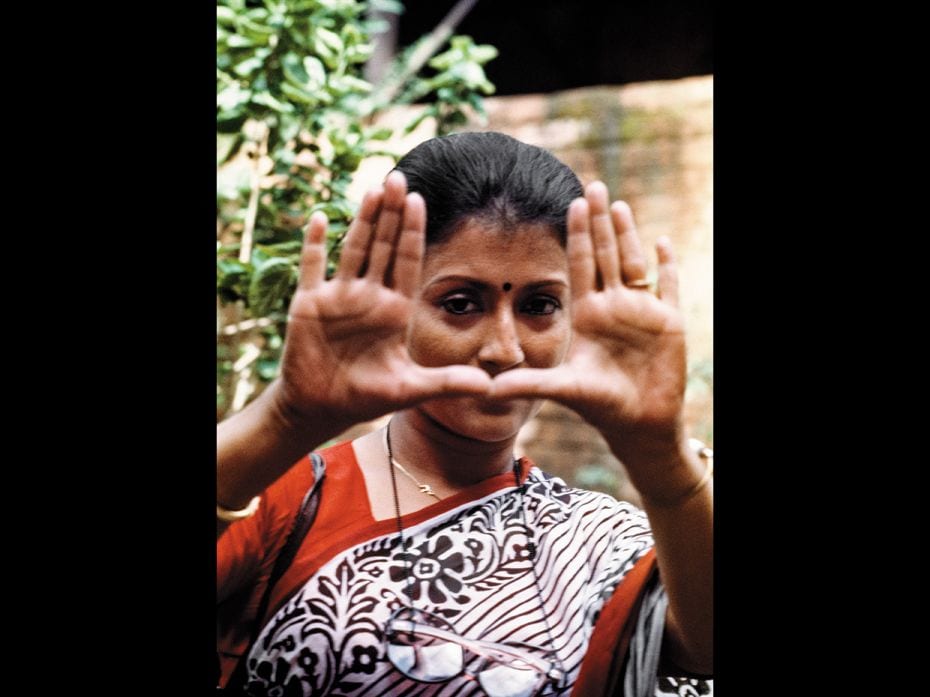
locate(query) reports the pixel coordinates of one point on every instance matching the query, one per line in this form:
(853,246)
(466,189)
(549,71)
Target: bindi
(507,286)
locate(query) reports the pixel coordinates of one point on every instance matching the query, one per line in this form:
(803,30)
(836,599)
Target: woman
(480,279)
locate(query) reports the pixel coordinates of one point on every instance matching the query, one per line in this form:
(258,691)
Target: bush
(294,121)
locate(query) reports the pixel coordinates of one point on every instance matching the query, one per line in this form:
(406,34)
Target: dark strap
(302,524)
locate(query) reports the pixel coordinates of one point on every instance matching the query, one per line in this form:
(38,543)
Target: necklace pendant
(427,489)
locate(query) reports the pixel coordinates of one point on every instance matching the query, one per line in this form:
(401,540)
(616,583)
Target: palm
(351,342)
(625,372)
(626,360)
(345,349)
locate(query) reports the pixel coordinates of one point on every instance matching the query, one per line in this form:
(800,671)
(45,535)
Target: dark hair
(489,177)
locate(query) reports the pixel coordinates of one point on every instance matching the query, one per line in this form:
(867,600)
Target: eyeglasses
(426,648)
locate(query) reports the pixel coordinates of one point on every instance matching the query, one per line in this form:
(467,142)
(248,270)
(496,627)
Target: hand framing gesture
(625,372)
(345,351)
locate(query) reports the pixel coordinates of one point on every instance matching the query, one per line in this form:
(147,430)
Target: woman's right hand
(345,358)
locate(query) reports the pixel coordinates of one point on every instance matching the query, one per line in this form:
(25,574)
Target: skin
(436,337)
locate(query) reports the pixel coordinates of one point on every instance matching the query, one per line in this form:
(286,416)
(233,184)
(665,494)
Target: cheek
(432,343)
(548,348)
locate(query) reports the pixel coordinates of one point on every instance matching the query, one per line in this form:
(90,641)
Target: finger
(605,241)
(580,250)
(632,258)
(409,259)
(358,239)
(392,209)
(313,253)
(421,383)
(668,271)
(535,383)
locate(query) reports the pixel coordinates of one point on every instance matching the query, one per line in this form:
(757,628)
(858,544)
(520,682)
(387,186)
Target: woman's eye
(541,306)
(460,305)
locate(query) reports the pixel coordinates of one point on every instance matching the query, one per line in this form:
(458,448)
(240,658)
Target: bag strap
(302,524)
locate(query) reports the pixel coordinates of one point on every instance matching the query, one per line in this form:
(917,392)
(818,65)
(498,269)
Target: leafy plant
(295,119)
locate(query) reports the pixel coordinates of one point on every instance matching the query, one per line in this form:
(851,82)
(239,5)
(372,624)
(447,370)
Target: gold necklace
(425,488)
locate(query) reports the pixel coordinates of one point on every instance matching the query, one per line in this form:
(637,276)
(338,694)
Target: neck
(445,459)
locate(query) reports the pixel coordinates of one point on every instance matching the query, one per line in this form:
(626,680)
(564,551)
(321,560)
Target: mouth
(498,406)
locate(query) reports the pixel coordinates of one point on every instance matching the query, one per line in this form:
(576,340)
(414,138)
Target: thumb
(537,383)
(422,383)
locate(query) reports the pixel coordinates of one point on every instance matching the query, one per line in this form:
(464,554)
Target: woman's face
(497,301)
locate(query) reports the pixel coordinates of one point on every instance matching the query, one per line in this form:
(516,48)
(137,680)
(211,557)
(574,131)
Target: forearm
(682,526)
(260,443)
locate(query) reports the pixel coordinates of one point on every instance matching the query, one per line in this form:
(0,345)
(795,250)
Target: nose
(501,349)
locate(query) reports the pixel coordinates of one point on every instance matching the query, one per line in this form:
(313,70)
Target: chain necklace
(425,488)
(531,549)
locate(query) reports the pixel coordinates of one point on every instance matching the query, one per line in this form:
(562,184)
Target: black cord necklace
(531,548)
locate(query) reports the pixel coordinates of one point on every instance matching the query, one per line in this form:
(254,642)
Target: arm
(345,359)
(625,374)
(682,526)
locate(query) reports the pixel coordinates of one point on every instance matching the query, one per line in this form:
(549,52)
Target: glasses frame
(547,671)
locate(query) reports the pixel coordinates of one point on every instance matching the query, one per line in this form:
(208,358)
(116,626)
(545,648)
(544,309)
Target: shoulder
(281,500)
(546,487)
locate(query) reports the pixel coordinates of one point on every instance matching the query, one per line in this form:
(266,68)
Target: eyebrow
(481,285)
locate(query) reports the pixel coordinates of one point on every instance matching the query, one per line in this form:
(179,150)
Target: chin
(479,419)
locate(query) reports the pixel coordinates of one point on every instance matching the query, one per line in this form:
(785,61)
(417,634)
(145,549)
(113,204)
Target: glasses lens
(501,680)
(418,655)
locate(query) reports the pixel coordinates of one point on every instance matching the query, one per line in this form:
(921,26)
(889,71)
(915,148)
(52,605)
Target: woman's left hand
(626,369)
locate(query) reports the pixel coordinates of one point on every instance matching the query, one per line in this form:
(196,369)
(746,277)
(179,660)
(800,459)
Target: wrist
(685,478)
(304,427)
(260,443)
(650,452)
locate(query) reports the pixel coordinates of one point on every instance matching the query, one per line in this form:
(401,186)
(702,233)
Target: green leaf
(226,16)
(270,284)
(327,43)
(231,278)
(284,158)
(334,210)
(429,111)
(248,66)
(230,121)
(268,100)
(462,42)
(315,70)
(470,73)
(380,134)
(359,53)
(483,53)
(350,83)
(231,267)
(257,33)
(456,118)
(232,96)
(298,95)
(476,102)
(277,20)
(238,41)
(280,248)
(256,14)
(294,70)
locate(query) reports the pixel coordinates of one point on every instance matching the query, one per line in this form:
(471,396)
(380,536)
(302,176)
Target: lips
(488,406)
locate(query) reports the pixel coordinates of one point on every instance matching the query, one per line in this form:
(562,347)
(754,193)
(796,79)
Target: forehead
(484,251)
